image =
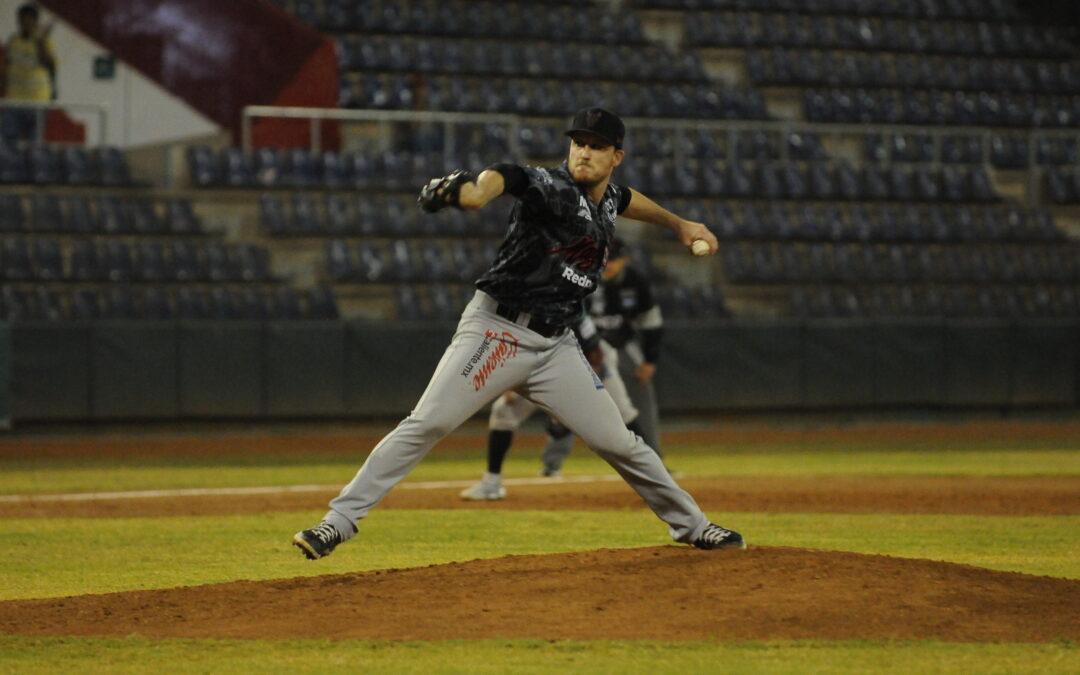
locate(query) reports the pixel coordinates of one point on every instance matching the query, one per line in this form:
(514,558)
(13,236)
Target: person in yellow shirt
(28,75)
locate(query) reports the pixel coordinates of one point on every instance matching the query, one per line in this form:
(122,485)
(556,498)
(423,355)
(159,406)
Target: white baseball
(700,247)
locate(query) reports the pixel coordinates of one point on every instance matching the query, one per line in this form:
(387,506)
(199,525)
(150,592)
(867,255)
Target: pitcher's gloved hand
(442,192)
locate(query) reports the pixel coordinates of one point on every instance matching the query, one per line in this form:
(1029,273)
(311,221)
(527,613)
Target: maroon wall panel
(218,55)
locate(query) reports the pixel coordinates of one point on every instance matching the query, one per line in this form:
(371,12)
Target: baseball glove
(443,192)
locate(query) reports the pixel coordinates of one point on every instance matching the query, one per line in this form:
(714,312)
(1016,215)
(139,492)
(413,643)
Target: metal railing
(384,118)
(636,125)
(41,108)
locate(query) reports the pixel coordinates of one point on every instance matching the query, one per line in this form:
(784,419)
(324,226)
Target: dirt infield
(1000,496)
(656,593)
(213,441)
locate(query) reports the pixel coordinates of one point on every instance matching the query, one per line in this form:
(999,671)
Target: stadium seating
(878,222)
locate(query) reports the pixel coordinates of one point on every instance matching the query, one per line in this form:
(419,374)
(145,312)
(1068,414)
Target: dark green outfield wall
(115,370)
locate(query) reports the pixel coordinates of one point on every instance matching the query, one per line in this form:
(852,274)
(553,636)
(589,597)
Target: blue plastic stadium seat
(372,263)
(46,215)
(81,216)
(269,168)
(333,170)
(12,213)
(219,265)
(85,305)
(191,303)
(285,304)
(151,264)
(252,304)
(321,303)
(115,219)
(251,262)
(272,215)
(302,168)
(112,166)
(180,218)
(186,263)
(875,185)
(155,304)
(221,305)
(144,217)
(443,302)
(981,186)
(86,262)
(203,168)
(120,302)
(739,181)
(408,302)
(237,168)
(339,261)
(306,220)
(44,164)
(927,184)
(339,217)
(78,168)
(17,265)
(14,167)
(405,265)
(48,260)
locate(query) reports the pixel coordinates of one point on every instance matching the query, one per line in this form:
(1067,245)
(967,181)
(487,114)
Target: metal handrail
(100,110)
(732,127)
(317,115)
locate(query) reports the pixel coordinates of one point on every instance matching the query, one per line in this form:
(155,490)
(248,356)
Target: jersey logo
(503,352)
(583,210)
(582,253)
(609,211)
(575,278)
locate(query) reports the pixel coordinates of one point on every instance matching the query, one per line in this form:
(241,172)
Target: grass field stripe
(279,489)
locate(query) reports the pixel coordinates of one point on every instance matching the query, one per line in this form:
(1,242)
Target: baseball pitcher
(513,334)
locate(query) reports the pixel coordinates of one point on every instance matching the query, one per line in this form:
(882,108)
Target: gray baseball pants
(487,356)
(556,450)
(509,415)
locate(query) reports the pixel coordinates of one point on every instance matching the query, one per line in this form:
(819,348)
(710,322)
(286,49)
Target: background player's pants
(487,356)
(643,397)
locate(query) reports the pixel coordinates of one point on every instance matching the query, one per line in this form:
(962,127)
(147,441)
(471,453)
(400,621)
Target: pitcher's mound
(660,593)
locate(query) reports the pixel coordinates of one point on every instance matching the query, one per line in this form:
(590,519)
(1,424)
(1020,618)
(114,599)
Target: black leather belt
(537,326)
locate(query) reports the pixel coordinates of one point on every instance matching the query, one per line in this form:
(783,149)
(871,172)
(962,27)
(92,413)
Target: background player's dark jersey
(618,303)
(555,247)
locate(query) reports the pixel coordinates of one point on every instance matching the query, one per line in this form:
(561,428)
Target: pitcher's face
(592,159)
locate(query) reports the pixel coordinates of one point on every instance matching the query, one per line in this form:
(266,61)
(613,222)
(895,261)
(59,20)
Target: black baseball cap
(599,122)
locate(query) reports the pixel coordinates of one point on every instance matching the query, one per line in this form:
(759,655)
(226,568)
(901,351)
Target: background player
(513,333)
(510,411)
(628,317)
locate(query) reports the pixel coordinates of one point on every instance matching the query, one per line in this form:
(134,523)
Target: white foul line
(280,489)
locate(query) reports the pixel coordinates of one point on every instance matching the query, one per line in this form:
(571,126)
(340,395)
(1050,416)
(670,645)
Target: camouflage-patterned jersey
(556,244)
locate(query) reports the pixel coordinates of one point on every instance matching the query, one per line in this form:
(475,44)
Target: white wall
(139,111)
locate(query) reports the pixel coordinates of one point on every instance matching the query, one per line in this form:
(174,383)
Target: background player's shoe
(490,488)
(715,537)
(319,541)
(550,472)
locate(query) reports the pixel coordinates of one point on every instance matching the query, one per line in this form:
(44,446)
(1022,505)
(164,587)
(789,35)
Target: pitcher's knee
(620,444)
(427,430)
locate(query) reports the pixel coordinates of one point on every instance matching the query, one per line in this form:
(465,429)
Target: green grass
(138,655)
(88,475)
(57,557)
